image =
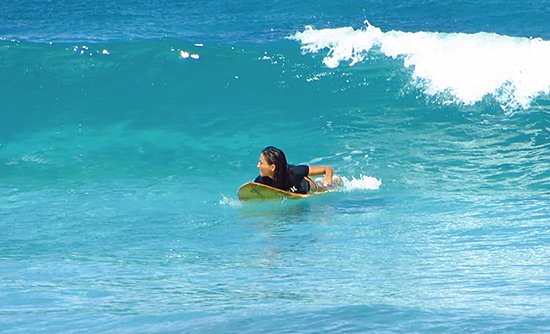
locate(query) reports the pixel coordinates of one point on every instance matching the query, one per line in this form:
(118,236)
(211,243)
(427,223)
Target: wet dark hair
(277,157)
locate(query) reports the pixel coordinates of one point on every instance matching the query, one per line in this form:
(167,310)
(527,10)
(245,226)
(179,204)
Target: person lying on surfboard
(277,173)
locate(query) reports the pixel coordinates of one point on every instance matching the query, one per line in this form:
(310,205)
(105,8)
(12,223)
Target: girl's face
(266,169)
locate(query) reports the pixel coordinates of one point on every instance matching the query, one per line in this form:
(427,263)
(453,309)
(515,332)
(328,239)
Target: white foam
(467,66)
(184,54)
(363,182)
(228,201)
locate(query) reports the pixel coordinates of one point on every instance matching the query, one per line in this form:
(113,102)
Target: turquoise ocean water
(126,128)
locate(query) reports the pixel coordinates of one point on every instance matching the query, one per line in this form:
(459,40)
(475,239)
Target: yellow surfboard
(254,190)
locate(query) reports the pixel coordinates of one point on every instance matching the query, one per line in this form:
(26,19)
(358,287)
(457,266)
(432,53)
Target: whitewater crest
(464,66)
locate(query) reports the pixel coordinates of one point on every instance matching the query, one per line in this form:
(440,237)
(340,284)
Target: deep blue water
(126,128)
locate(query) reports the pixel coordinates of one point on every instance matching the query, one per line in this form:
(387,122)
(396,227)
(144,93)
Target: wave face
(126,128)
(77,109)
(455,66)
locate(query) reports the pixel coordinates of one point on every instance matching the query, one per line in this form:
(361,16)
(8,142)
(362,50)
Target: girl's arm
(328,171)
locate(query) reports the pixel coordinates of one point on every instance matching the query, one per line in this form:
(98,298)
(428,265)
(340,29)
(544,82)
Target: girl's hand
(327,180)
(327,171)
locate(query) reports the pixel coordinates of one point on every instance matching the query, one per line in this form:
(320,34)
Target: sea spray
(363,182)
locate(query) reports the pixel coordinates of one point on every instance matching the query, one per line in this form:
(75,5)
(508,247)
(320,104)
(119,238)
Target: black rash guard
(295,181)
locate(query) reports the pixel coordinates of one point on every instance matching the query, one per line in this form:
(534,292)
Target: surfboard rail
(259,191)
